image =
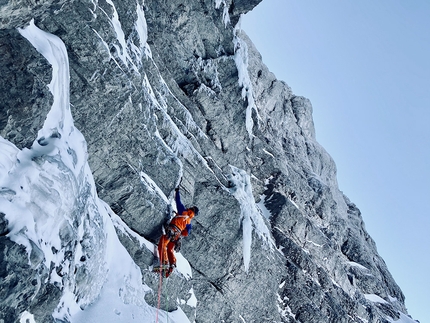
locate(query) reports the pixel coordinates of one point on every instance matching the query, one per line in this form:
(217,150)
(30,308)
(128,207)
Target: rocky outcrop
(163,90)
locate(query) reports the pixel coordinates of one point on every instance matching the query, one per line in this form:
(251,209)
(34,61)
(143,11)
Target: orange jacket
(181,220)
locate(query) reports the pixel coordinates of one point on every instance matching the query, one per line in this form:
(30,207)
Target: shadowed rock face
(169,89)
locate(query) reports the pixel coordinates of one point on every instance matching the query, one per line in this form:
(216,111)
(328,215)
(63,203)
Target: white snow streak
(122,50)
(152,187)
(270,154)
(125,49)
(241,60)
(250,216)
(52,48)
(375,298)
(142,31)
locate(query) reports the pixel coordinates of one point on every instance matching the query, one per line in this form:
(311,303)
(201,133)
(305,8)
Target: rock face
(163,90)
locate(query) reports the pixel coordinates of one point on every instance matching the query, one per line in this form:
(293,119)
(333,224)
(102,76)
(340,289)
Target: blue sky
(365,66)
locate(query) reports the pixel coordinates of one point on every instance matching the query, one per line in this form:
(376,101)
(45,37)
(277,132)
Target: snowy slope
(52,208)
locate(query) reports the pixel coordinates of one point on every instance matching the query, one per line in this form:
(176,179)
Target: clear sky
(365,66)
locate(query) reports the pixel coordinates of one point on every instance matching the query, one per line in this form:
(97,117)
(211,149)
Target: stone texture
(175,107)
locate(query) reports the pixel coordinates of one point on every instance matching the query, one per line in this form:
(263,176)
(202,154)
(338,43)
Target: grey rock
(185,103)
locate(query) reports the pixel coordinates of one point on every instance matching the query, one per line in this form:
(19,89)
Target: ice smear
(249,214)
(126,49)
(122,50)
(142,31)
(175,142)
(263,209)
(355,264)
(225,14)
(241,60)
(48,191)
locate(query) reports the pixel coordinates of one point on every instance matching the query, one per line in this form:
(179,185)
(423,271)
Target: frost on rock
(225,14)
(50,201)
(249,213)
(126,50)
(174,139)
(241,60)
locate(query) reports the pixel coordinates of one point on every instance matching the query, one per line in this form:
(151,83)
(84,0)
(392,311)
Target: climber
(178,227)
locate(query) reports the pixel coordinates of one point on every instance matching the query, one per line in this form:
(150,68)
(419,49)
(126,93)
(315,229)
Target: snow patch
(59,120)
(393,299)
(183,266)
(283,309)
(356,264)
(8,152)
(250,216)
(375,298)
(192,301)
(26,317)
(404,319)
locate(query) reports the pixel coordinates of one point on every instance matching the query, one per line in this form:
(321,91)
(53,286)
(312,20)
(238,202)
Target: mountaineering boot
(170,270)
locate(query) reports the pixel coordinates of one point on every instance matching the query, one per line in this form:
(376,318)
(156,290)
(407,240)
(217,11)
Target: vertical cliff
(105,105)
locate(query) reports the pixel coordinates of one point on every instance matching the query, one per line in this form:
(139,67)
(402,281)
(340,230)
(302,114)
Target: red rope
(159,294)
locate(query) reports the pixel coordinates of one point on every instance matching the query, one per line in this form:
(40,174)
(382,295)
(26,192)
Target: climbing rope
(160,285)
(167,301)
